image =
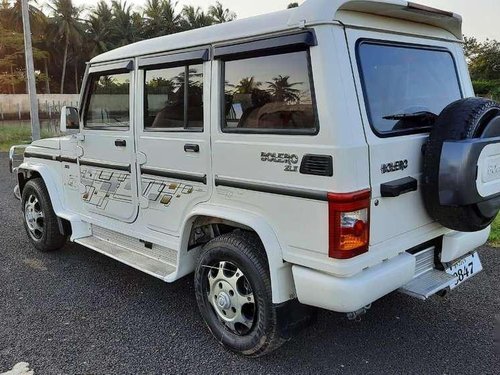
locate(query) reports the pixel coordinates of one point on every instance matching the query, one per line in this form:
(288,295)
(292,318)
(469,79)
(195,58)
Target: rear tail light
(349,222)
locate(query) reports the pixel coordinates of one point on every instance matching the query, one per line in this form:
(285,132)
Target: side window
(174,99)
(108,104)
(270,94)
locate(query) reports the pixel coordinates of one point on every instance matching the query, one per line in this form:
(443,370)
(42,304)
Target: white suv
(322,156)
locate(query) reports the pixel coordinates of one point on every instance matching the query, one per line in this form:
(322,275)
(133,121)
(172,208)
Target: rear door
(173,137)
(107,149)
(398,83)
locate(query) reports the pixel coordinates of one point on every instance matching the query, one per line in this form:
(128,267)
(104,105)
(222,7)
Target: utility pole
(30,72)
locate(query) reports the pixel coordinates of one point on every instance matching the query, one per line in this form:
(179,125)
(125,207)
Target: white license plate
(464,268)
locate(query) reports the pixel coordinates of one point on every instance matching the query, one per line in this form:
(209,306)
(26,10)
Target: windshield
(401,81)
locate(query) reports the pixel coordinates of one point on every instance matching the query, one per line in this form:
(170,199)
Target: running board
(428,280)
(152,259)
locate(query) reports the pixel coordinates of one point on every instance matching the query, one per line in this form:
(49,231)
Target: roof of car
(311,12)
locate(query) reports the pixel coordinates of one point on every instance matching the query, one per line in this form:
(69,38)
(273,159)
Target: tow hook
(356,315)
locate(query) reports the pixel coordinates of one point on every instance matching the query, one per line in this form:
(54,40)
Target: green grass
(16,133)
(495,233)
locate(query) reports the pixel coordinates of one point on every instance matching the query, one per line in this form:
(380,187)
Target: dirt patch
(35,264)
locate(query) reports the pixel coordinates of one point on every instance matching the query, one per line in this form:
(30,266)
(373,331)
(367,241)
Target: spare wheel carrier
(461,174)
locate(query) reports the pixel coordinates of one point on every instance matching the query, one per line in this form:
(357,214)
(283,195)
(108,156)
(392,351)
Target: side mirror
(70,120)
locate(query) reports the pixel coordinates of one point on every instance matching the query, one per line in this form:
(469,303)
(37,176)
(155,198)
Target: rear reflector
(349,223)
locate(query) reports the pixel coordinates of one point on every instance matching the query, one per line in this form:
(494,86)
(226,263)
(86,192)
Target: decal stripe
(272,189)
(65,159)
(119,167)
(41,156)
(59,158)
(175,175)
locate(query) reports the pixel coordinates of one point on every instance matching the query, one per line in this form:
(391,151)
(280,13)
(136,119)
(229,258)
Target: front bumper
(16,158)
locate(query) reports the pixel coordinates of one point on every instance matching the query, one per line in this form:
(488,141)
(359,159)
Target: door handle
(191,148)
(398,187)
(120,143)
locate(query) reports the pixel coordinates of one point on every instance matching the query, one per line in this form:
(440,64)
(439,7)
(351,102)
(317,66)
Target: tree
(97,30)
(247,86)
(220,14)
(66,36)
(194,18)
(11,50)
(13,17)
(160,18)
(282,91)
(483,58)
(125,25)
(69,29)
(292,5)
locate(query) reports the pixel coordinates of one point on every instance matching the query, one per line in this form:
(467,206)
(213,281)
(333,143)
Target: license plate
(464,268)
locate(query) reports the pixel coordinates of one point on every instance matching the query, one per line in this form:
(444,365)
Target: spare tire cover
(462,130)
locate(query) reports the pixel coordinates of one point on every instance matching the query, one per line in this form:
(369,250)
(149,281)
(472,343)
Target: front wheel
(233,291)
(40,221)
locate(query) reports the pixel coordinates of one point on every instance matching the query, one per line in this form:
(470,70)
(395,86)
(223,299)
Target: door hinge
(143,202)
(141,158)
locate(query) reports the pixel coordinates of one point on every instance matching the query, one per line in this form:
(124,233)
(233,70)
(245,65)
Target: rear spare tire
(474,119)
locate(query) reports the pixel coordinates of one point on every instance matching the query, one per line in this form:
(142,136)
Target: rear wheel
(40,221)
(233,291)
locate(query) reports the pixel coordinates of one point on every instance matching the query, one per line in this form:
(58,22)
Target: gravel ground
(78,312)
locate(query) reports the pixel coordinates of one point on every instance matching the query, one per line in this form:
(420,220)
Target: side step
(428,280)
(152,259)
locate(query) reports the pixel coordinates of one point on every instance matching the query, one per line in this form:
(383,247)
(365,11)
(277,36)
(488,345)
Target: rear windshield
(405,86)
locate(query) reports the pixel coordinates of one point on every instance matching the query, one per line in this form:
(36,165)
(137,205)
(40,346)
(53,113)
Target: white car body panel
(294,230)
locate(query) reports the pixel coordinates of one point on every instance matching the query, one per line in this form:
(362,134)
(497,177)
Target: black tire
(463,119)
(245,251)
(48,237)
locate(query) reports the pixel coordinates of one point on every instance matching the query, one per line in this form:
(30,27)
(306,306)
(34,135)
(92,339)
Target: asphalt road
(78,312)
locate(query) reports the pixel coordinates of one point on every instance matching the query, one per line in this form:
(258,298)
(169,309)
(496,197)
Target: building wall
(14,106)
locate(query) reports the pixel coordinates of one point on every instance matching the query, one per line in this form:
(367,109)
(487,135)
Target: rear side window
(404,86)
(174,99)
(109,102)
(270,94)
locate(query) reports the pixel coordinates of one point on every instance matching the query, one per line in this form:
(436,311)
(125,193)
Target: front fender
(282,284)
(26,171)
(53,183)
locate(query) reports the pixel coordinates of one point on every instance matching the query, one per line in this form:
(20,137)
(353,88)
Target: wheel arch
(282,285)
(27,172)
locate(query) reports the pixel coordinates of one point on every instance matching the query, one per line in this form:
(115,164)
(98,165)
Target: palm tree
(69,29)
(247,86)
(194,18)
(124,27)
(98,32)
(282,91)
(160,18)
(221,14)
(14,17)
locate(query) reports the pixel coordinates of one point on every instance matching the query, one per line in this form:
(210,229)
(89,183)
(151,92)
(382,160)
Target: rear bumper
(348,294)
(457,244)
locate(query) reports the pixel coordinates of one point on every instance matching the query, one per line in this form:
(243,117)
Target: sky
(480,16)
